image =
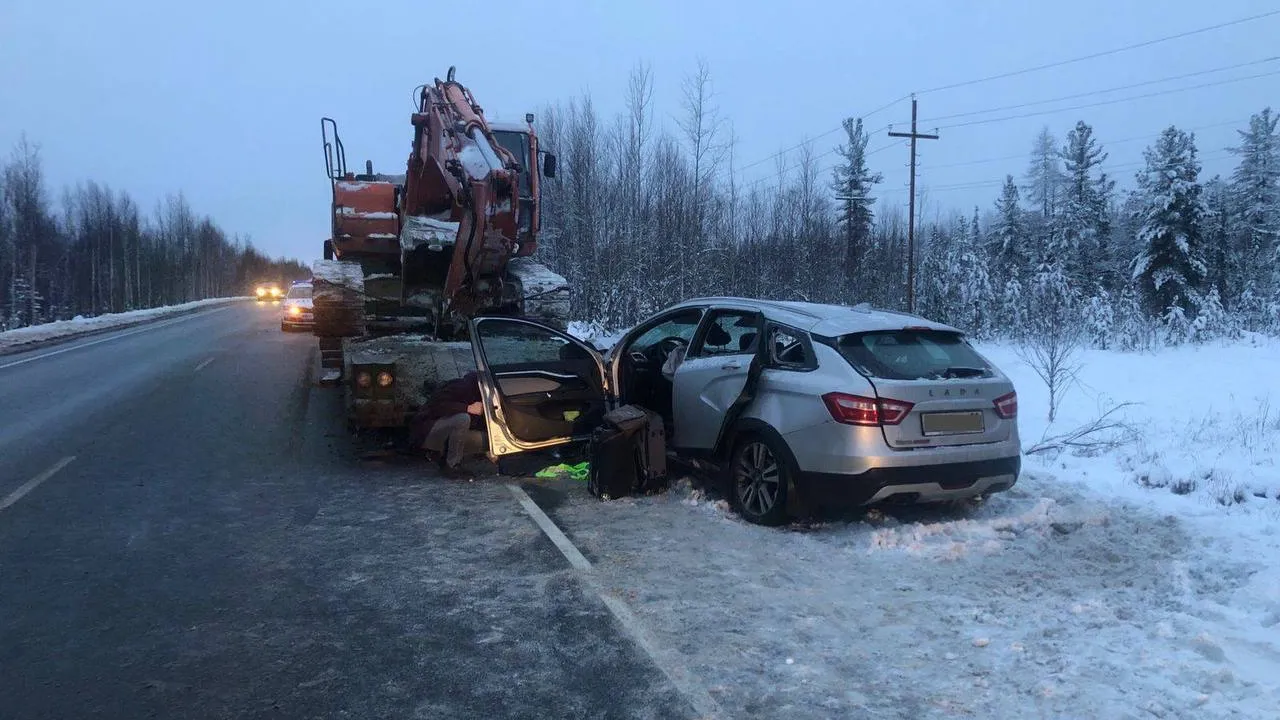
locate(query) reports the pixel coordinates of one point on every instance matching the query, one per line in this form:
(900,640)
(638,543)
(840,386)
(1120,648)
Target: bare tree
(1055,337)
(701,126)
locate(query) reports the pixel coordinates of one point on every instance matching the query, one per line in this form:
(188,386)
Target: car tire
(759,476)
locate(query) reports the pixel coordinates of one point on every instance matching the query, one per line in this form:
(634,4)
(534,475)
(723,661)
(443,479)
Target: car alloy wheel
(759,483)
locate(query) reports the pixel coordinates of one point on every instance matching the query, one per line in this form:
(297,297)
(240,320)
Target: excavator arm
(459,179)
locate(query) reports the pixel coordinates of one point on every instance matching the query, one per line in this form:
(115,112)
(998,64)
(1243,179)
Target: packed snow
(1137,581)
(16,339)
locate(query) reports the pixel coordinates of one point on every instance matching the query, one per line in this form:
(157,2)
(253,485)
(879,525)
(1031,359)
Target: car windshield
(912,355)
(299,291)
(681,325)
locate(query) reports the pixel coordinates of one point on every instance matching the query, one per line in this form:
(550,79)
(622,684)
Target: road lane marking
(149,326)
(34,482)
(203,365)
(667,661)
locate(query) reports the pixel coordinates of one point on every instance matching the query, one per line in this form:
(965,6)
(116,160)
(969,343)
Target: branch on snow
(1103,433)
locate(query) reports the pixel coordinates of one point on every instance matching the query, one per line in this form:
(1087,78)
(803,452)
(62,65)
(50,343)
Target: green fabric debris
(575,472)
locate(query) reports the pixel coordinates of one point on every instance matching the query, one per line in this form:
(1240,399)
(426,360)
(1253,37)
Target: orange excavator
(447,240)
(413,257)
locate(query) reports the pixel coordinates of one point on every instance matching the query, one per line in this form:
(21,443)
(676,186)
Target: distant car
(296,308)
(841,405)
(268,291)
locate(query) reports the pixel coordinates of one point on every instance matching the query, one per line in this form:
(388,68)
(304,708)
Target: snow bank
(14,340)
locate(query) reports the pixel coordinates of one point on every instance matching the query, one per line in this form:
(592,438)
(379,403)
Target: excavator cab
(522,143)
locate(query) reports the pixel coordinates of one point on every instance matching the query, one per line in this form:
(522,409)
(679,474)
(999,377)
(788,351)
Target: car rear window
(912,355)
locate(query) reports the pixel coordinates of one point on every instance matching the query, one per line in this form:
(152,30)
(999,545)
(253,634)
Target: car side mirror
(549,165)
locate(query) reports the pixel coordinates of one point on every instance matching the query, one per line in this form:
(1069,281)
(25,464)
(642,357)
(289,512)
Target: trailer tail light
(865,411)
(1007,406)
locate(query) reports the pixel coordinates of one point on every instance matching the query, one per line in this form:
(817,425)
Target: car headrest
(747,342)
(718,336)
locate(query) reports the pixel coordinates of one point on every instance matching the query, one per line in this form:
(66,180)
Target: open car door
(540,387)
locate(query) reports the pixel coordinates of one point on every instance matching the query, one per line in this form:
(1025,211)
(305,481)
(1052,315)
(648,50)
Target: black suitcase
(628,454)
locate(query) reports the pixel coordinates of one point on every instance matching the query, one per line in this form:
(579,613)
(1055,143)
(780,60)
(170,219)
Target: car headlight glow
(364,379)
(262,292)
(385,379)
(295,310)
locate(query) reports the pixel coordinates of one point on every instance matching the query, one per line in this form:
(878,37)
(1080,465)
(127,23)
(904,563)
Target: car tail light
(858,410)
(1007,406)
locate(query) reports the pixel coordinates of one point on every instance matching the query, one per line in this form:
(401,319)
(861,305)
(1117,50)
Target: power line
(1108,143)
(1101,92)
(832,151)
(977,184)
(816,137)
(1110,102)
(1104,53)
(1023,71)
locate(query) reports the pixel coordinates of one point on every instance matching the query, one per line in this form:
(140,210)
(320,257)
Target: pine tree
(852,185)
(1081,231)
(1170,269)
(1256,191)
(1044,176)
(1221,264)
(1007,243)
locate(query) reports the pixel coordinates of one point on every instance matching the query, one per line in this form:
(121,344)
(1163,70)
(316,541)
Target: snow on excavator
(413,257)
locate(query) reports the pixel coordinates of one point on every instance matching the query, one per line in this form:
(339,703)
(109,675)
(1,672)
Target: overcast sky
(222,99)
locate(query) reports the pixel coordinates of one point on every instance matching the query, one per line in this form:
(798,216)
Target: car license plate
(952,423)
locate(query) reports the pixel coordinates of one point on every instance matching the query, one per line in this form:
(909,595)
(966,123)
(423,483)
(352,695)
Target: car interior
(640,368)
(548,386)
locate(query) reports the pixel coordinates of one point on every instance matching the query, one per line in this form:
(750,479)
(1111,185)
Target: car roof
(823,319)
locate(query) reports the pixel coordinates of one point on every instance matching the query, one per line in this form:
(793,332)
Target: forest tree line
(95,251)
(640,217)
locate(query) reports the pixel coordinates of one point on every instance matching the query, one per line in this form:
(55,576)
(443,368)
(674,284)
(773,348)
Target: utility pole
(911,207)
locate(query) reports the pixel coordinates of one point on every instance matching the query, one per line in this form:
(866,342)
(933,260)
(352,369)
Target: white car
(839,405)
(296,311)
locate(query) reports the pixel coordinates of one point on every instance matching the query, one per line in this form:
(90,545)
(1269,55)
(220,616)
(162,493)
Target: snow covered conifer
(1007,242)
(1044,176)
(1170,269)
(852,185)
(1256,190)
(1081,232)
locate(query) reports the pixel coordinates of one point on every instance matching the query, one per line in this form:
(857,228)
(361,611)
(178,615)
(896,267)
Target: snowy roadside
(1141,582)
(28,338)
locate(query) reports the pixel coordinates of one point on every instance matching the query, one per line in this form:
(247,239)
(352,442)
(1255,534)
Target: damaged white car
(786,401)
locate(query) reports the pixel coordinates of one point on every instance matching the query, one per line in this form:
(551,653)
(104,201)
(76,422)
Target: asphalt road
(185,531)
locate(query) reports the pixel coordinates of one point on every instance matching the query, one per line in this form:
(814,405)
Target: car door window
(790,349)
(548,387)
(729,332)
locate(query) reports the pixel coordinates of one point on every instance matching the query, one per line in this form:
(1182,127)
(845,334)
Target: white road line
(203,365)
(34,482)
(150,326)
(667,661)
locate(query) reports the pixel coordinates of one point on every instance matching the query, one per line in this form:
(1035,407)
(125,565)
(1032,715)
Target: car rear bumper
(913,483)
